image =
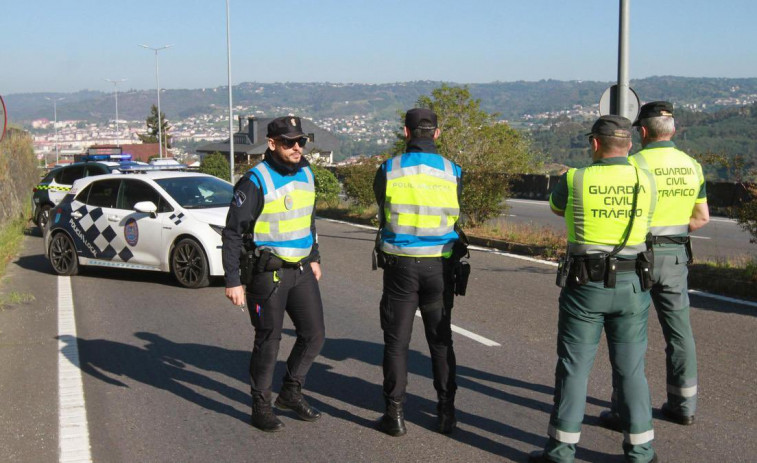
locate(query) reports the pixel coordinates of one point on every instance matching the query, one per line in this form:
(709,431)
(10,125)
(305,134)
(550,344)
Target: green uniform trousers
(622,312)
(671,301)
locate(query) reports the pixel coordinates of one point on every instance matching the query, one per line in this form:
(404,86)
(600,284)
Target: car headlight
(217,228)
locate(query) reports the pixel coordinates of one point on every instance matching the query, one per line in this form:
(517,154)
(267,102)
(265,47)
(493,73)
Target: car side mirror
(147,207)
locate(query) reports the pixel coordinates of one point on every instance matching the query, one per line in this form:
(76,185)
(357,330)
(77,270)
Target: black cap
(654,109)
(285,127)
(612,126)
(420,118)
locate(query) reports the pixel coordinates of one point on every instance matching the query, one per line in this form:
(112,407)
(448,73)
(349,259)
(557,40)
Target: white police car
(157,220)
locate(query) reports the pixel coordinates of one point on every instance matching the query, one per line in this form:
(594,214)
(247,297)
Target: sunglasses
(289,143)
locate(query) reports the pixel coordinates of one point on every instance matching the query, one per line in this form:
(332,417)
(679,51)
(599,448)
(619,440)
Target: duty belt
(670,239)
(391,259)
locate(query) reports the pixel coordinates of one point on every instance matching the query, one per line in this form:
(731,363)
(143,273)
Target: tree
(358,180)
(151,136)
(217,165)
(327,187)
(490,152)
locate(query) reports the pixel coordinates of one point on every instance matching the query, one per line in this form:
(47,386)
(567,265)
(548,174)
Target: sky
(73,45)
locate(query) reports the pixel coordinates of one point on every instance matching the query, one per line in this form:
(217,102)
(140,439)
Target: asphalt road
(164,370)
(720,239)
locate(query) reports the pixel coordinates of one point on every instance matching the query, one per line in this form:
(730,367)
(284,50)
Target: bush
(18,174)
(746,213)
(358,181)
(327,187)
(217,165)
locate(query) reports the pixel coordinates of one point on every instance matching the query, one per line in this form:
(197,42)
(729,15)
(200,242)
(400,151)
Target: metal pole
(55,123)
(157,83)
(231,110)
(115,91)
(623,86)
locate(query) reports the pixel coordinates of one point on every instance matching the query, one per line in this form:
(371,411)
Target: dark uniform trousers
(412,283)
(297,294)
(622,312)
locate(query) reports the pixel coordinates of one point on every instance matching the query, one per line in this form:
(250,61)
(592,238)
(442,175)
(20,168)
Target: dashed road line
(468,334)
(73,430)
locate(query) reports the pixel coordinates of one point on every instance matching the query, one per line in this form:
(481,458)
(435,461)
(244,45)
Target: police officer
(418,194)
(273,202)
(681,209)
(606,207)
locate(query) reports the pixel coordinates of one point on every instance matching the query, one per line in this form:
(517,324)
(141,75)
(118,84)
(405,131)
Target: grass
(15,298)
(11,235)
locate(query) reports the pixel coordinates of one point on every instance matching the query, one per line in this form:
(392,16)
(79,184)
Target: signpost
(608,104)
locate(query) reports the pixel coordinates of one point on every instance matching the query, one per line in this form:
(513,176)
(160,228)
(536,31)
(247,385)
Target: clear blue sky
(71,45)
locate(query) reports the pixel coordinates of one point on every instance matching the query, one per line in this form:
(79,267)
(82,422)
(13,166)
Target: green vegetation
(217,165)
(358,181)
(152,134)
(327,186)
(15,298)
(11,235)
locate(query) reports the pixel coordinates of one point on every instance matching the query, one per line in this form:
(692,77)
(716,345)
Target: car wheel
(63,256)
(189,264)
(42,217)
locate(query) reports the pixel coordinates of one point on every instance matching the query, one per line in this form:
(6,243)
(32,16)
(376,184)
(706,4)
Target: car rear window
(70,175)
(103,193)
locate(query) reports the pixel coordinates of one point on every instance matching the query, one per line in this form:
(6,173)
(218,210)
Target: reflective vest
(679,179)
(284,223)
(600,199)
(420,206)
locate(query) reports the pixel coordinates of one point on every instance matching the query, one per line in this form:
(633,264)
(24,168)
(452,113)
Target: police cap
(654,109)
(285,127)
(420,118)
(612,126)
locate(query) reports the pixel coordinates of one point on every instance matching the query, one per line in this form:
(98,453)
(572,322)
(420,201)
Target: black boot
(290,398)
(263,417)
(445,410)
(393,421)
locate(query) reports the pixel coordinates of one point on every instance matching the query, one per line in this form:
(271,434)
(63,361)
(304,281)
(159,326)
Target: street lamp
(157,82)
(115,91)
(55,124)
(231,111)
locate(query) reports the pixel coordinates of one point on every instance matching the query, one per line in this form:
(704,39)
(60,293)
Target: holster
(461,273)
(689,252)
(266,261)
(563,271)
(645,269)
(246,266)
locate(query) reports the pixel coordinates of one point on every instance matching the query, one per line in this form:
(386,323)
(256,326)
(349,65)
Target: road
(720,239)
(164,370)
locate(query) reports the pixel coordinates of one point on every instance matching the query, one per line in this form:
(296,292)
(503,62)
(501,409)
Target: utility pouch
(611,267)
(379,259)
(247,266)
(267,261)
(461,274)
(595,267)
(563,270)
(578,272)
(645,269)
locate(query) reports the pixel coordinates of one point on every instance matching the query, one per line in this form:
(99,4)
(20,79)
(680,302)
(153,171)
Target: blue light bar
(107,157)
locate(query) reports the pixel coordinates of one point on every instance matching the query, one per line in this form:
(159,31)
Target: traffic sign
(608,104)
(3,118)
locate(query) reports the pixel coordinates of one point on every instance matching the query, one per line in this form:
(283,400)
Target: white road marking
(529,201)
(73,430)
(700,237)
(723,298)
(720,219)
(468,334)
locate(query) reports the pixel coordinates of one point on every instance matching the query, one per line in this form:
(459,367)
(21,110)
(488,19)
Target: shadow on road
(166,365)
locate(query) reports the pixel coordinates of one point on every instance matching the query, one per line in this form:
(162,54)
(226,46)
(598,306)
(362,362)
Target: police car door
(94,223)
(61,183)
(142,232)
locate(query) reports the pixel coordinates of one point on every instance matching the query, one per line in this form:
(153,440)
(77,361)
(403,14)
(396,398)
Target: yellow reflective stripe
(262,227)
(300,199)
(419,221)
(422,189)
(299,223)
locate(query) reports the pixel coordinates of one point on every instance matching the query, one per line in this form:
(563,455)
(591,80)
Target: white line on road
(700,237)
(723,298)
(468,334)
(73,430)
(529,201)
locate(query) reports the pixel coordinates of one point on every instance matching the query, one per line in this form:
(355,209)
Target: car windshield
(198,192)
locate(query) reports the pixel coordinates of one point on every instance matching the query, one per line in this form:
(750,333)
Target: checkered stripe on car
(177,218)
(98,231)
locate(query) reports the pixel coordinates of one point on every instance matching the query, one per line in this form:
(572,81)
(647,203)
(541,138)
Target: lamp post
(231,111)
(157,82)
(55,124)
(115,91)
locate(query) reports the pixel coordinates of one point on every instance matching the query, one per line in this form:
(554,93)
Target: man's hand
(236,295)
(316,270)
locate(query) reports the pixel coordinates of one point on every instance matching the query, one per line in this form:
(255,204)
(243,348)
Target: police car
(54,186)
(154,220)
